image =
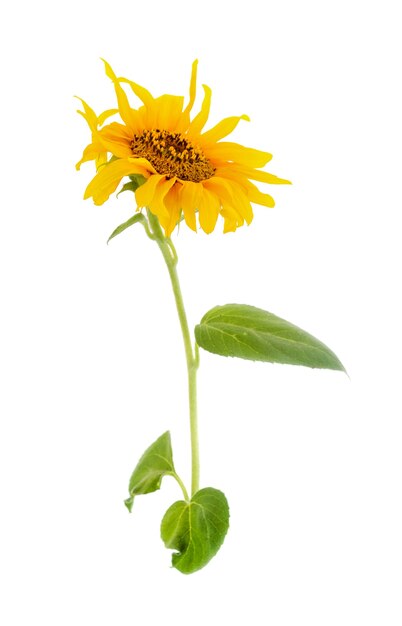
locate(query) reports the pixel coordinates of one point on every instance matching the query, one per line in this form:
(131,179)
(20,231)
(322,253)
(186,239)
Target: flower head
(187,170)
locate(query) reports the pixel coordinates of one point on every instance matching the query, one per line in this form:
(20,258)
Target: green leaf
(138,217)
(249,333)
(196,529)
(137,180)
(155,463)
(129,503)
(127,187)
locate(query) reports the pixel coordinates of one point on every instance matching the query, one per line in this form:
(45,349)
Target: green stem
(181,484)
(169,254)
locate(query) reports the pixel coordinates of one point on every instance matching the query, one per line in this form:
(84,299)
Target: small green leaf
(129,503)
(137,180)
(155,463)
(249,333)
(127,187)
(138,217)
(196,529)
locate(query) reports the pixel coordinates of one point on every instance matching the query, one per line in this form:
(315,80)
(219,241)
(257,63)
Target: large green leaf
(196,529)
(155,463)
(249,333)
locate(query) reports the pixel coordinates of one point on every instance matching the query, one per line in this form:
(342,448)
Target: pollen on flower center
(172,154)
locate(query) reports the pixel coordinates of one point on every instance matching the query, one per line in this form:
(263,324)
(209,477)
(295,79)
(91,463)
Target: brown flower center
(172,154)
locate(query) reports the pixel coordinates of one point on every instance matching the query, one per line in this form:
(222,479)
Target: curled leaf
(155,463)
(196,529)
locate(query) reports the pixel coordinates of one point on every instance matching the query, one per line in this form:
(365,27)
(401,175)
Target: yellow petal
(209,207)
(242,203)
(232,220)
(145,193)
(223,128)
(220,187)
(200,120)
(127,114)
(257,197)
(117,139)
(190,199)
(173,205)
(90,154)
(230,151)
(109,176)
(240,200)
(263,177)
(232,194)
(193,86)
(103,116)
(88,114)
(100,160)
(157,206)
(230,173)
(230,225)
(167,111)
(93,152)
(143,94)
(183,122)
(144,164)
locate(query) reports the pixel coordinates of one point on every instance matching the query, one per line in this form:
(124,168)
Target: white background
(92,365)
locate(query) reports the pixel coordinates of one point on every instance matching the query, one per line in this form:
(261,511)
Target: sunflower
(186,171)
